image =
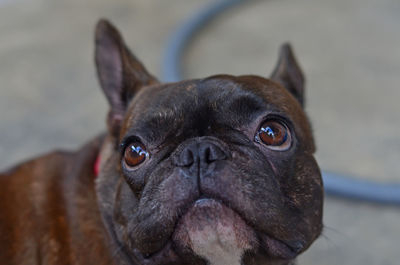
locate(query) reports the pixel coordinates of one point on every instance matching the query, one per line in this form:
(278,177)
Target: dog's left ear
(121,75)
(288,73)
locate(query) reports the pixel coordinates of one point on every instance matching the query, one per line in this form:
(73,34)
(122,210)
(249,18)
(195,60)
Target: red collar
(96,166)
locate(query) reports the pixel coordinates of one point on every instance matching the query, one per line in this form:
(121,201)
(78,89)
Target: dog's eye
(274,134)
(135,154)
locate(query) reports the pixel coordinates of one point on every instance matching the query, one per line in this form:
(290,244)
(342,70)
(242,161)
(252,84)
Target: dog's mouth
(210,230)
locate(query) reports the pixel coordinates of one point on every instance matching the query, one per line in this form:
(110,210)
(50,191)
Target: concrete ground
(349,49)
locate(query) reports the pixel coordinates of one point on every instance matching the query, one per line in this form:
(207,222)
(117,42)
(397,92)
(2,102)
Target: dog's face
(217,170)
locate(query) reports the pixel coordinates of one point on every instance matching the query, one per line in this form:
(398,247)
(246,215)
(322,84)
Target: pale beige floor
(350,51)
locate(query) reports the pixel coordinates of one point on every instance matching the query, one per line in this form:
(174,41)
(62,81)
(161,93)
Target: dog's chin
(214,232)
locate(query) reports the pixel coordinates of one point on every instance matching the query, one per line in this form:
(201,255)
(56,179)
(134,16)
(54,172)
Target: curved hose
(335,184)
(180,38)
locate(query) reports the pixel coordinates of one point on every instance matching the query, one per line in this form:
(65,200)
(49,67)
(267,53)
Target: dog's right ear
(287,72)
(120,74)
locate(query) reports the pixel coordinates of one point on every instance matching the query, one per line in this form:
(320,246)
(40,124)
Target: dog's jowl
(217,170)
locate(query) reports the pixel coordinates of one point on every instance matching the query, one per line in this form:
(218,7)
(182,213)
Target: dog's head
(217,170)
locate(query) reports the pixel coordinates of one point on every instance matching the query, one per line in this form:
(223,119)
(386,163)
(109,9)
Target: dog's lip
(277,248)
(159,257)
(201,200)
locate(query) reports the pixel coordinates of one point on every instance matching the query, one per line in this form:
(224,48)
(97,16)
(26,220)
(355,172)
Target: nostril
(213,153)
(186,158)
(208,156)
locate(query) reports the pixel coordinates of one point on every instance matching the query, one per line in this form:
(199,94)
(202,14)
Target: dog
(214,171)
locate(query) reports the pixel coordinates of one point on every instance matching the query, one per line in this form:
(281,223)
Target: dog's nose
(203,153)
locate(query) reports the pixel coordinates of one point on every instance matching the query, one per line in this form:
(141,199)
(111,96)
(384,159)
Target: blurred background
(349,50)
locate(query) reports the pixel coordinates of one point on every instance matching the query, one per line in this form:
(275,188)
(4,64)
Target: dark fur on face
(208,181)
